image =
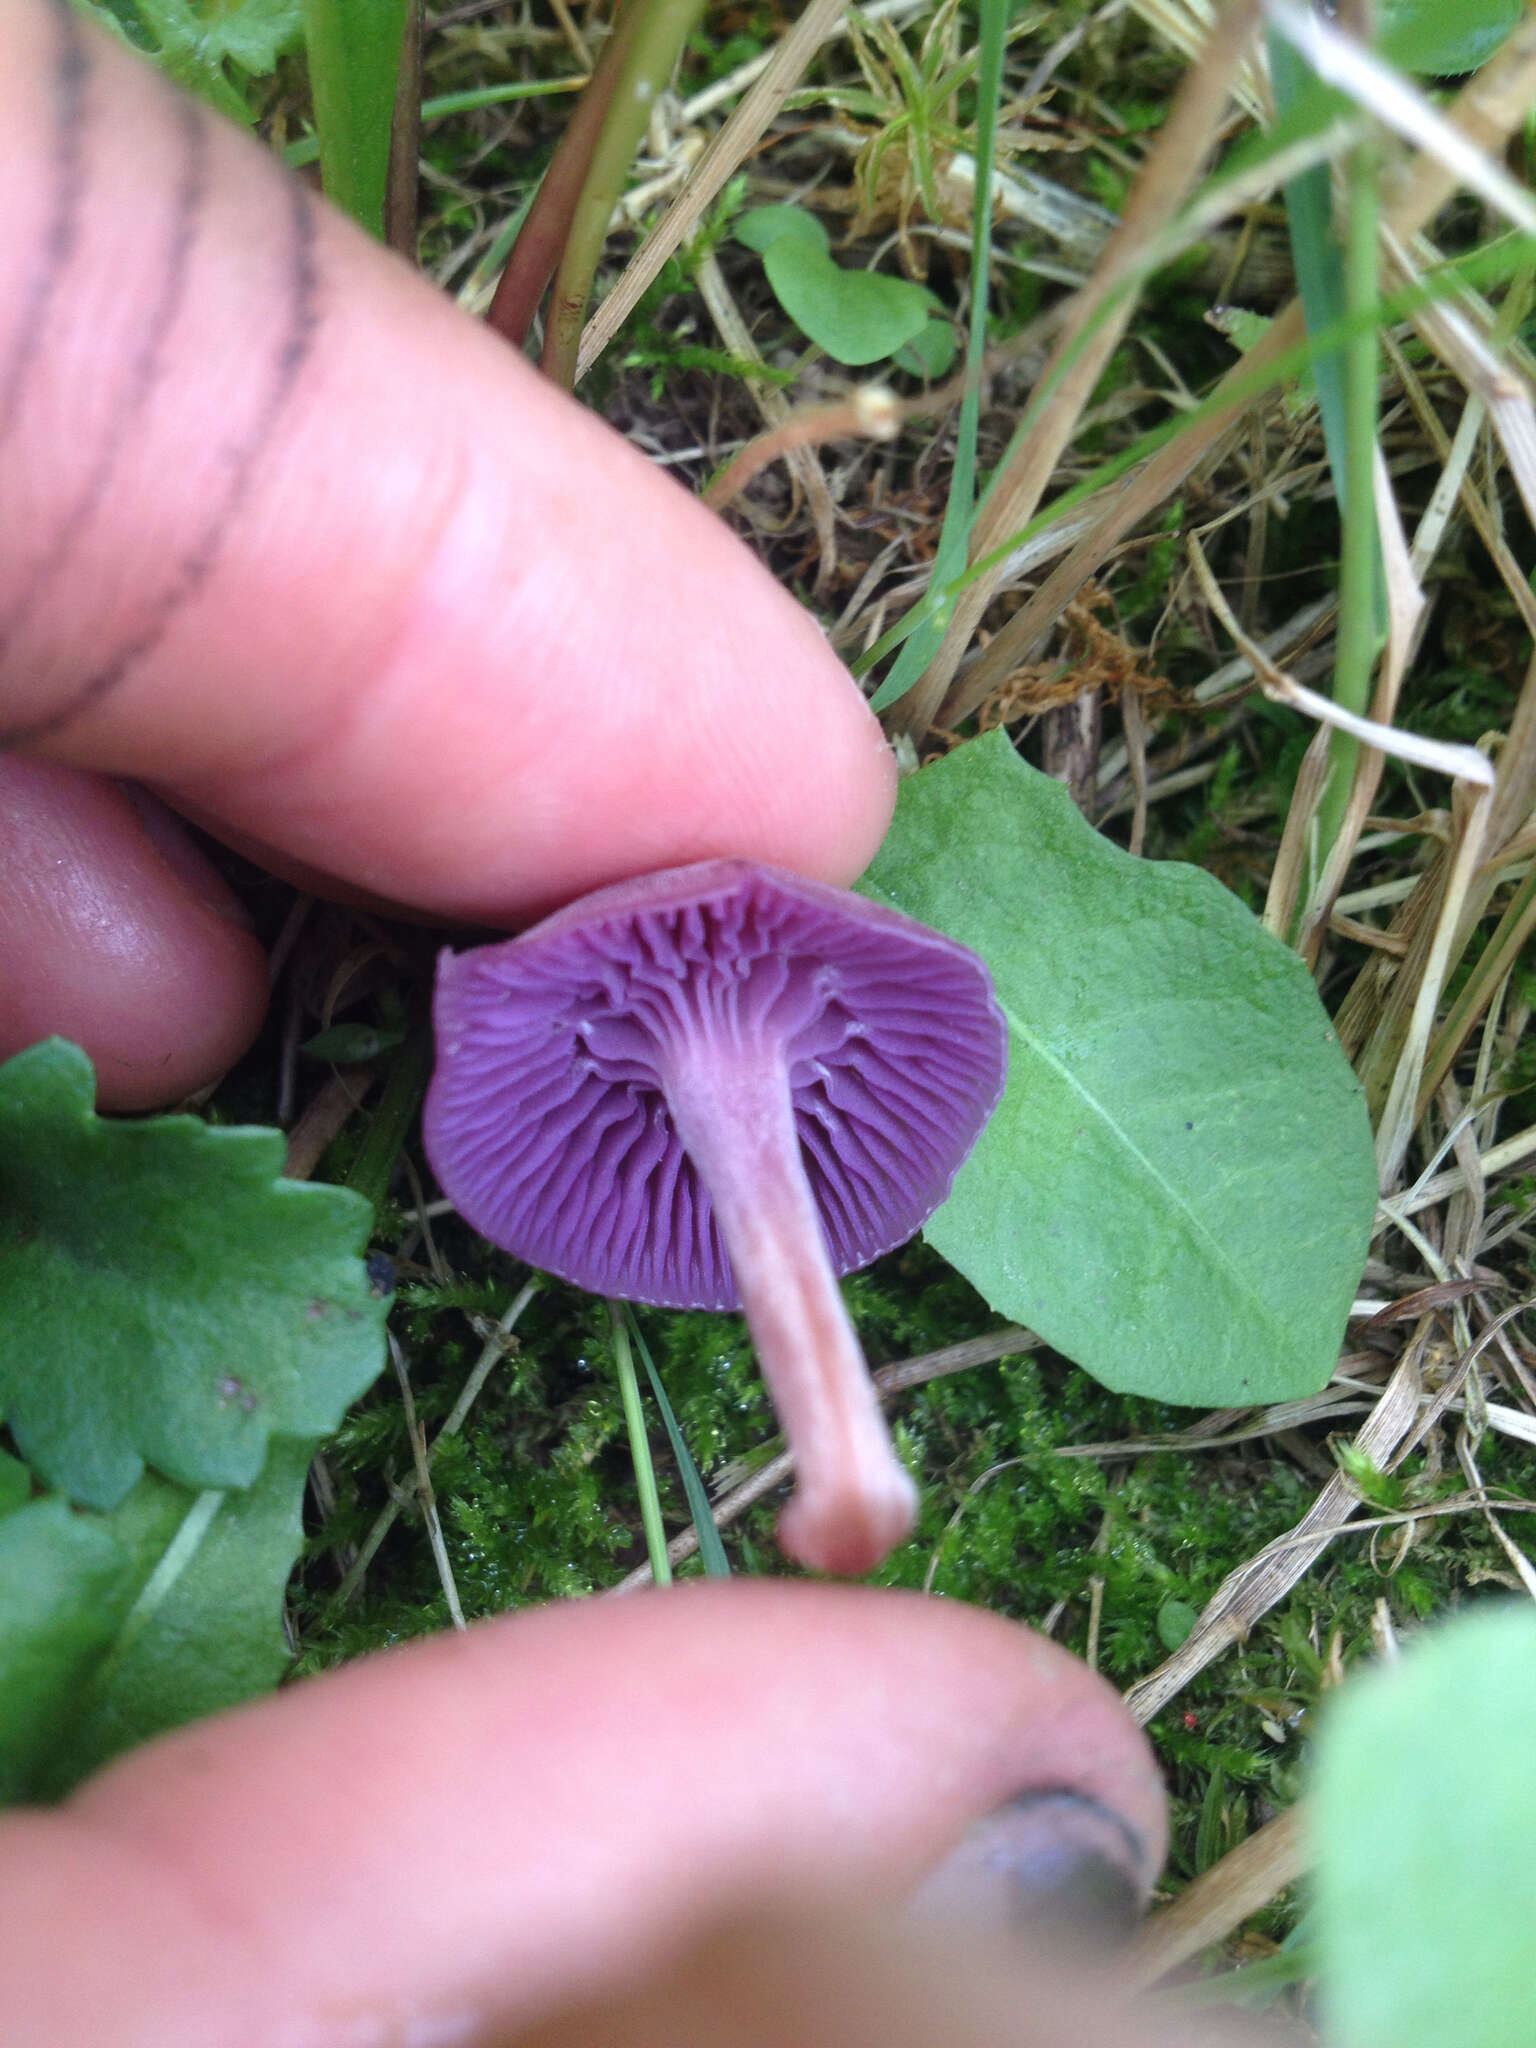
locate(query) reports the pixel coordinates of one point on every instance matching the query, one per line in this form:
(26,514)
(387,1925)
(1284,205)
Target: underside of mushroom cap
(548,1119)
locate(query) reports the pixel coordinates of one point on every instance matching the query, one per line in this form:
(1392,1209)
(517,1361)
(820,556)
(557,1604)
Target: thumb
(486,1826)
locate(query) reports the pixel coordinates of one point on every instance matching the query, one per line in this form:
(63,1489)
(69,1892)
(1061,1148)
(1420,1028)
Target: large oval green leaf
(1443,40)
(1424,1822)
(1178,1187)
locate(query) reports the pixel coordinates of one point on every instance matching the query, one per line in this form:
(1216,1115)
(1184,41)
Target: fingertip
(587,677)
(580,1781)
(117,933)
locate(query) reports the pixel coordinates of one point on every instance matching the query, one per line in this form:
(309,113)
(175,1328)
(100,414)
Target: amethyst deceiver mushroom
(718,1087)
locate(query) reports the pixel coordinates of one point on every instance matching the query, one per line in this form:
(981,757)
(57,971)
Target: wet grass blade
(711,1549)
(640,1448)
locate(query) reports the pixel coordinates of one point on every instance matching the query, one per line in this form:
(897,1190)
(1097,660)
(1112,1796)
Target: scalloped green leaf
(1424,1826)
(201,1628)
(1178,1187)
(65,1583)
(166,1298)
(195,41)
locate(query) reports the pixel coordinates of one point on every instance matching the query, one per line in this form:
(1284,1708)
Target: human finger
(287,535)
(827,1972)
(483,1826)
(117,933)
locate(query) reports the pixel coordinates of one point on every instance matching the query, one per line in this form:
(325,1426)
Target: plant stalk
(640,1448)
(355,48)
(547,226)
(1360,554)
(661,27)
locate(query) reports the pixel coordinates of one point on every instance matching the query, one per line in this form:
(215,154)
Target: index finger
(284,533)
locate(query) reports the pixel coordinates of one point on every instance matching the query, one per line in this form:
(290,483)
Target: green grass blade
(1318,258)
(1362,578)
(640,1448)
(404,1086)
(960,512)
(716,1564)
(307,148)
(1335,280)
(354,63)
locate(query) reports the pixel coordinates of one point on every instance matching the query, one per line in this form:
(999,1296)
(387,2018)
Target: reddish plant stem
(541,241)
(405,142)
(660,29)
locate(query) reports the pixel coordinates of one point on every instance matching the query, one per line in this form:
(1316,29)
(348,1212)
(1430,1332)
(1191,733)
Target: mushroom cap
(547,1120)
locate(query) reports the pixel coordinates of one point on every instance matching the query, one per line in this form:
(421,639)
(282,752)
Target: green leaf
(1442,40)
(1175,1621)
(1424,1824)
(165,1297)
(15,1484)
(345,1043)
(931,351)
(202,1629)
(1178,1187)
(354,67)
(193,41)
(856,316)
(251,33)
(1243,329)
(1381,1489)
(64,1586)
(765,225)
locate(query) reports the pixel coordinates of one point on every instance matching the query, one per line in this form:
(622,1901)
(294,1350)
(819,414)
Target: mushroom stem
(854,1501)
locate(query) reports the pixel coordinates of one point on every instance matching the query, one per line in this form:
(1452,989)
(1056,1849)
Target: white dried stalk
(1400,1114)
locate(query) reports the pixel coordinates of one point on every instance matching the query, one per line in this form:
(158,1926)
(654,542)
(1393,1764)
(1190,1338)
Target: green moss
(537,1501)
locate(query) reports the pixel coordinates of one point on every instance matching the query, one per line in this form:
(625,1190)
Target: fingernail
(1047,1861)
(172,842)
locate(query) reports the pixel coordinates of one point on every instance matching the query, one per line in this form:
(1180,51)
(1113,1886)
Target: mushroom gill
(724,1085)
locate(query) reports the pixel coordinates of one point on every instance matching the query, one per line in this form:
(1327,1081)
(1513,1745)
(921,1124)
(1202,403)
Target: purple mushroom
(719,1087)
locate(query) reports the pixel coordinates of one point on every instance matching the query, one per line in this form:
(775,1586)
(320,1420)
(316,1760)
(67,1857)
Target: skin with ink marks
(66,75)
(66,253)
(380,602)
(149,365)
(348,671)
(579,1784)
